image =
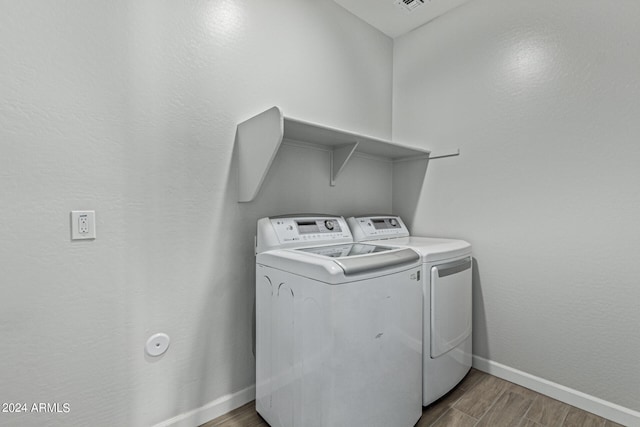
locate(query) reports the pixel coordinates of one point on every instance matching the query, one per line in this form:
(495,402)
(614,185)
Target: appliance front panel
(450,305)
(339,355)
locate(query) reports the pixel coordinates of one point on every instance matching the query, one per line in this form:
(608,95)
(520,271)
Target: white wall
(542,99)
(130,108)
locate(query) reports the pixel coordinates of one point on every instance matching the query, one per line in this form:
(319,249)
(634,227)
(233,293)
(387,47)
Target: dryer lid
(433,249)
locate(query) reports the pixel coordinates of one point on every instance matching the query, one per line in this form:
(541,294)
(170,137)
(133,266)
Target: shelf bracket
(340,155)
(258,140)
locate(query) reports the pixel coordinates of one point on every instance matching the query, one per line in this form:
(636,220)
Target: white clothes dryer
(447,294)
(338,327)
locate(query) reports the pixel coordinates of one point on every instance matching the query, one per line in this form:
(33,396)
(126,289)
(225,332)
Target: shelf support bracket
(339,157)
(258,140)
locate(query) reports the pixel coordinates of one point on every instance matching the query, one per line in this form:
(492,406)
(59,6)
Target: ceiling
(392,17)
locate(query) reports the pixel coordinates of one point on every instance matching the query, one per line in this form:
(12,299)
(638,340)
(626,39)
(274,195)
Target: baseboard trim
(611,411)
(603,408)
(211,410)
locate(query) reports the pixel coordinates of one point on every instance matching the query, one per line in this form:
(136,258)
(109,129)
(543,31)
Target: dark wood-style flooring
(480,400)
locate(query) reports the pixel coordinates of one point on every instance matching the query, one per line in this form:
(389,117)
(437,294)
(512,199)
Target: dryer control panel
(375,227)
(299,231)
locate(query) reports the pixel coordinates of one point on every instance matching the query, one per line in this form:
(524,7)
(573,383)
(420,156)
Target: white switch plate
(83,225)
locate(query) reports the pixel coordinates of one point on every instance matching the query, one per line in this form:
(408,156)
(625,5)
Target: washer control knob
(329,224)
(393,222)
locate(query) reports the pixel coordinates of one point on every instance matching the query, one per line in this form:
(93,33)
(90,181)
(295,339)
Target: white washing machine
(446,266)
(338,327)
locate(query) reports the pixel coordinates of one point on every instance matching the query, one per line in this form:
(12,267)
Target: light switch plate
(83,225)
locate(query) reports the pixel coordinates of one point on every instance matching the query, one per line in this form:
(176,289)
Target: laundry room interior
(528,115)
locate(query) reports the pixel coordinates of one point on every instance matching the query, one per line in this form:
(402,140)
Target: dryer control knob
(393,222)
(329,224)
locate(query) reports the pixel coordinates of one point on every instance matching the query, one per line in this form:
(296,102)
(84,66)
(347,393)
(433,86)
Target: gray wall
(130,108)
(542,99)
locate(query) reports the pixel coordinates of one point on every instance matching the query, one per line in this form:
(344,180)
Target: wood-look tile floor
(480,400)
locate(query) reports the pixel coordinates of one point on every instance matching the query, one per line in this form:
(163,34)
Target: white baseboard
(611,411)
(212,409)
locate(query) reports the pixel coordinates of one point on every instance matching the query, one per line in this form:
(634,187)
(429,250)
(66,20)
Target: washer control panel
(309,229)
(376,227)
(298,231)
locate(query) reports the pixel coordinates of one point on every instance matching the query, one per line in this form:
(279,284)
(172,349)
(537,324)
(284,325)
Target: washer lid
(340,263)
(346,250)
(355,258)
